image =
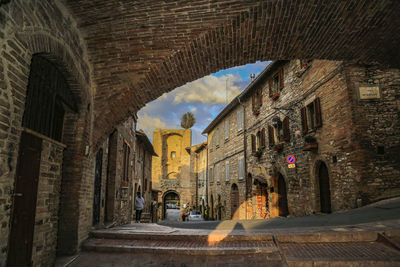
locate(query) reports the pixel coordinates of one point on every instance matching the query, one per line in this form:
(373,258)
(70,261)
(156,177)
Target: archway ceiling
(142,49)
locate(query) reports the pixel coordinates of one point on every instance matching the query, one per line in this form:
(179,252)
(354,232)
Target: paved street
(172,215)
(369,236)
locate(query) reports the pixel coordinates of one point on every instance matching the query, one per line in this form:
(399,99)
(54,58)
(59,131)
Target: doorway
(97,188)
(25,197)
(234,202)
(324,188)
(282,197)
(212,207)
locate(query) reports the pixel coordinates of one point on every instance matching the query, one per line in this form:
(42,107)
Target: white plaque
(369,92)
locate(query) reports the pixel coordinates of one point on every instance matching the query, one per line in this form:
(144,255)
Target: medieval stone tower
(171,170)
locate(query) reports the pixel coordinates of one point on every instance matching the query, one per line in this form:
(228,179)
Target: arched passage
(171,201)
(324,188)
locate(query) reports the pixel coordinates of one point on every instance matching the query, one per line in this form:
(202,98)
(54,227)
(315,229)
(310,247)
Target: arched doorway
(171,206)
(234,202)
(324,188)
(219,215)
(282,197)
(50,107)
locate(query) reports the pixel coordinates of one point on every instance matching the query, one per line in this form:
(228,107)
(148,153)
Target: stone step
(182,247)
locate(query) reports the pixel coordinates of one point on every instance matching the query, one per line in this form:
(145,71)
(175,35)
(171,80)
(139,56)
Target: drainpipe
(244,149)
(206,170)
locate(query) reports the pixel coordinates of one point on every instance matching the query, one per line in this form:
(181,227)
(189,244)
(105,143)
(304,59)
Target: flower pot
(256,112)
(275,96)
(310,146)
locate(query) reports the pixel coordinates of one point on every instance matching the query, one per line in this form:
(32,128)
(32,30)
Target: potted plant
(256,111)
(275,96)
(278,147)
(258,152)
(310,143)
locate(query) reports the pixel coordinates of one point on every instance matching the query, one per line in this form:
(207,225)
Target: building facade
(142,179)
(315,112)
(171,169)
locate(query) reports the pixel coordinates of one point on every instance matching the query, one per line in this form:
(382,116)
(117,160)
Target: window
(126,151)
(217,136)
(241,168)
(227,171)
(256,99)
(276,83)
(173,155)
(279,133)
(211,175)
(226,129)
(218,174)
(311,116)
(258,140)
(211,142)
(240,120)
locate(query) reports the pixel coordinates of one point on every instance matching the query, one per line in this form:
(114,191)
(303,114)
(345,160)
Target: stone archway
(170,199)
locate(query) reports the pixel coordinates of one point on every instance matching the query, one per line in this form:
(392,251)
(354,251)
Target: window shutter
(260,100)
(270,87)
(240,120)
(253,102)
(317,108)
(253,143)
(304,119)
(263,137)
(227,171)
(271,139)
(281,79)
(286,129)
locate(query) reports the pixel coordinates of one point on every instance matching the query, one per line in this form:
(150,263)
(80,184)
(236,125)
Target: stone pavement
(369,236)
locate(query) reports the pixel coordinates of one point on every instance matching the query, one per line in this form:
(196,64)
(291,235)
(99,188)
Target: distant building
(171,169)
(142,180)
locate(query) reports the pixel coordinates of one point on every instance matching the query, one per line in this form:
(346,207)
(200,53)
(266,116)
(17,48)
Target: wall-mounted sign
(369,92)
(291,166)
(291,159)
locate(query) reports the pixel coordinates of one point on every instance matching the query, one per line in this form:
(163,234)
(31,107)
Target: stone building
(198,174)
(142,178)
(171,169)
(326,114)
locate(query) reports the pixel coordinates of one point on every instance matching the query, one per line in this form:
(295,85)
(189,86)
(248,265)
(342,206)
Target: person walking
(139,204)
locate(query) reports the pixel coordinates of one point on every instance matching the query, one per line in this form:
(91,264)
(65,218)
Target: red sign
(291,159)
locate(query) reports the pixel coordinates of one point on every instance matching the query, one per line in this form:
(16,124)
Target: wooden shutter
(317,109)
(253,102)
(271,139)
(270,87)
(281,79)
(304,119)
(260,96)
(253,143)
(286,129)
(263,137)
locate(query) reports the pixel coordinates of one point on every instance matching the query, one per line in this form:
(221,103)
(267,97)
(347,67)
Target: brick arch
(171,43)
(75,137)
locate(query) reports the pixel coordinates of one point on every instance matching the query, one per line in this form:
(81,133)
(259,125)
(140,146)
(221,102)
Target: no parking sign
(291,159)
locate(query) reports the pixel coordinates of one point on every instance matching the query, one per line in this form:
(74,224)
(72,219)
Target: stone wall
(27,28)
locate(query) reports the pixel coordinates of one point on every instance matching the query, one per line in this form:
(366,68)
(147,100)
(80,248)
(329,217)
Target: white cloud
(209,89)
(148,124)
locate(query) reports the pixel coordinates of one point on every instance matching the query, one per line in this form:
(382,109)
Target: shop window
(311,118)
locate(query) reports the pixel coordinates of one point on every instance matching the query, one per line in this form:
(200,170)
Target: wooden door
(282,197)
(324,187)
(97,187)
(24,201)
(234,202)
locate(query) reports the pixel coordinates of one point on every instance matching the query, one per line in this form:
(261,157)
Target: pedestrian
(139,204)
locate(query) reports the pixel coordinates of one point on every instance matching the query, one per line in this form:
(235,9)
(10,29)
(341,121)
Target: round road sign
(290,159)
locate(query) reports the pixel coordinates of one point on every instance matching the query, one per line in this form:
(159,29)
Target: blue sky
(205,98)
